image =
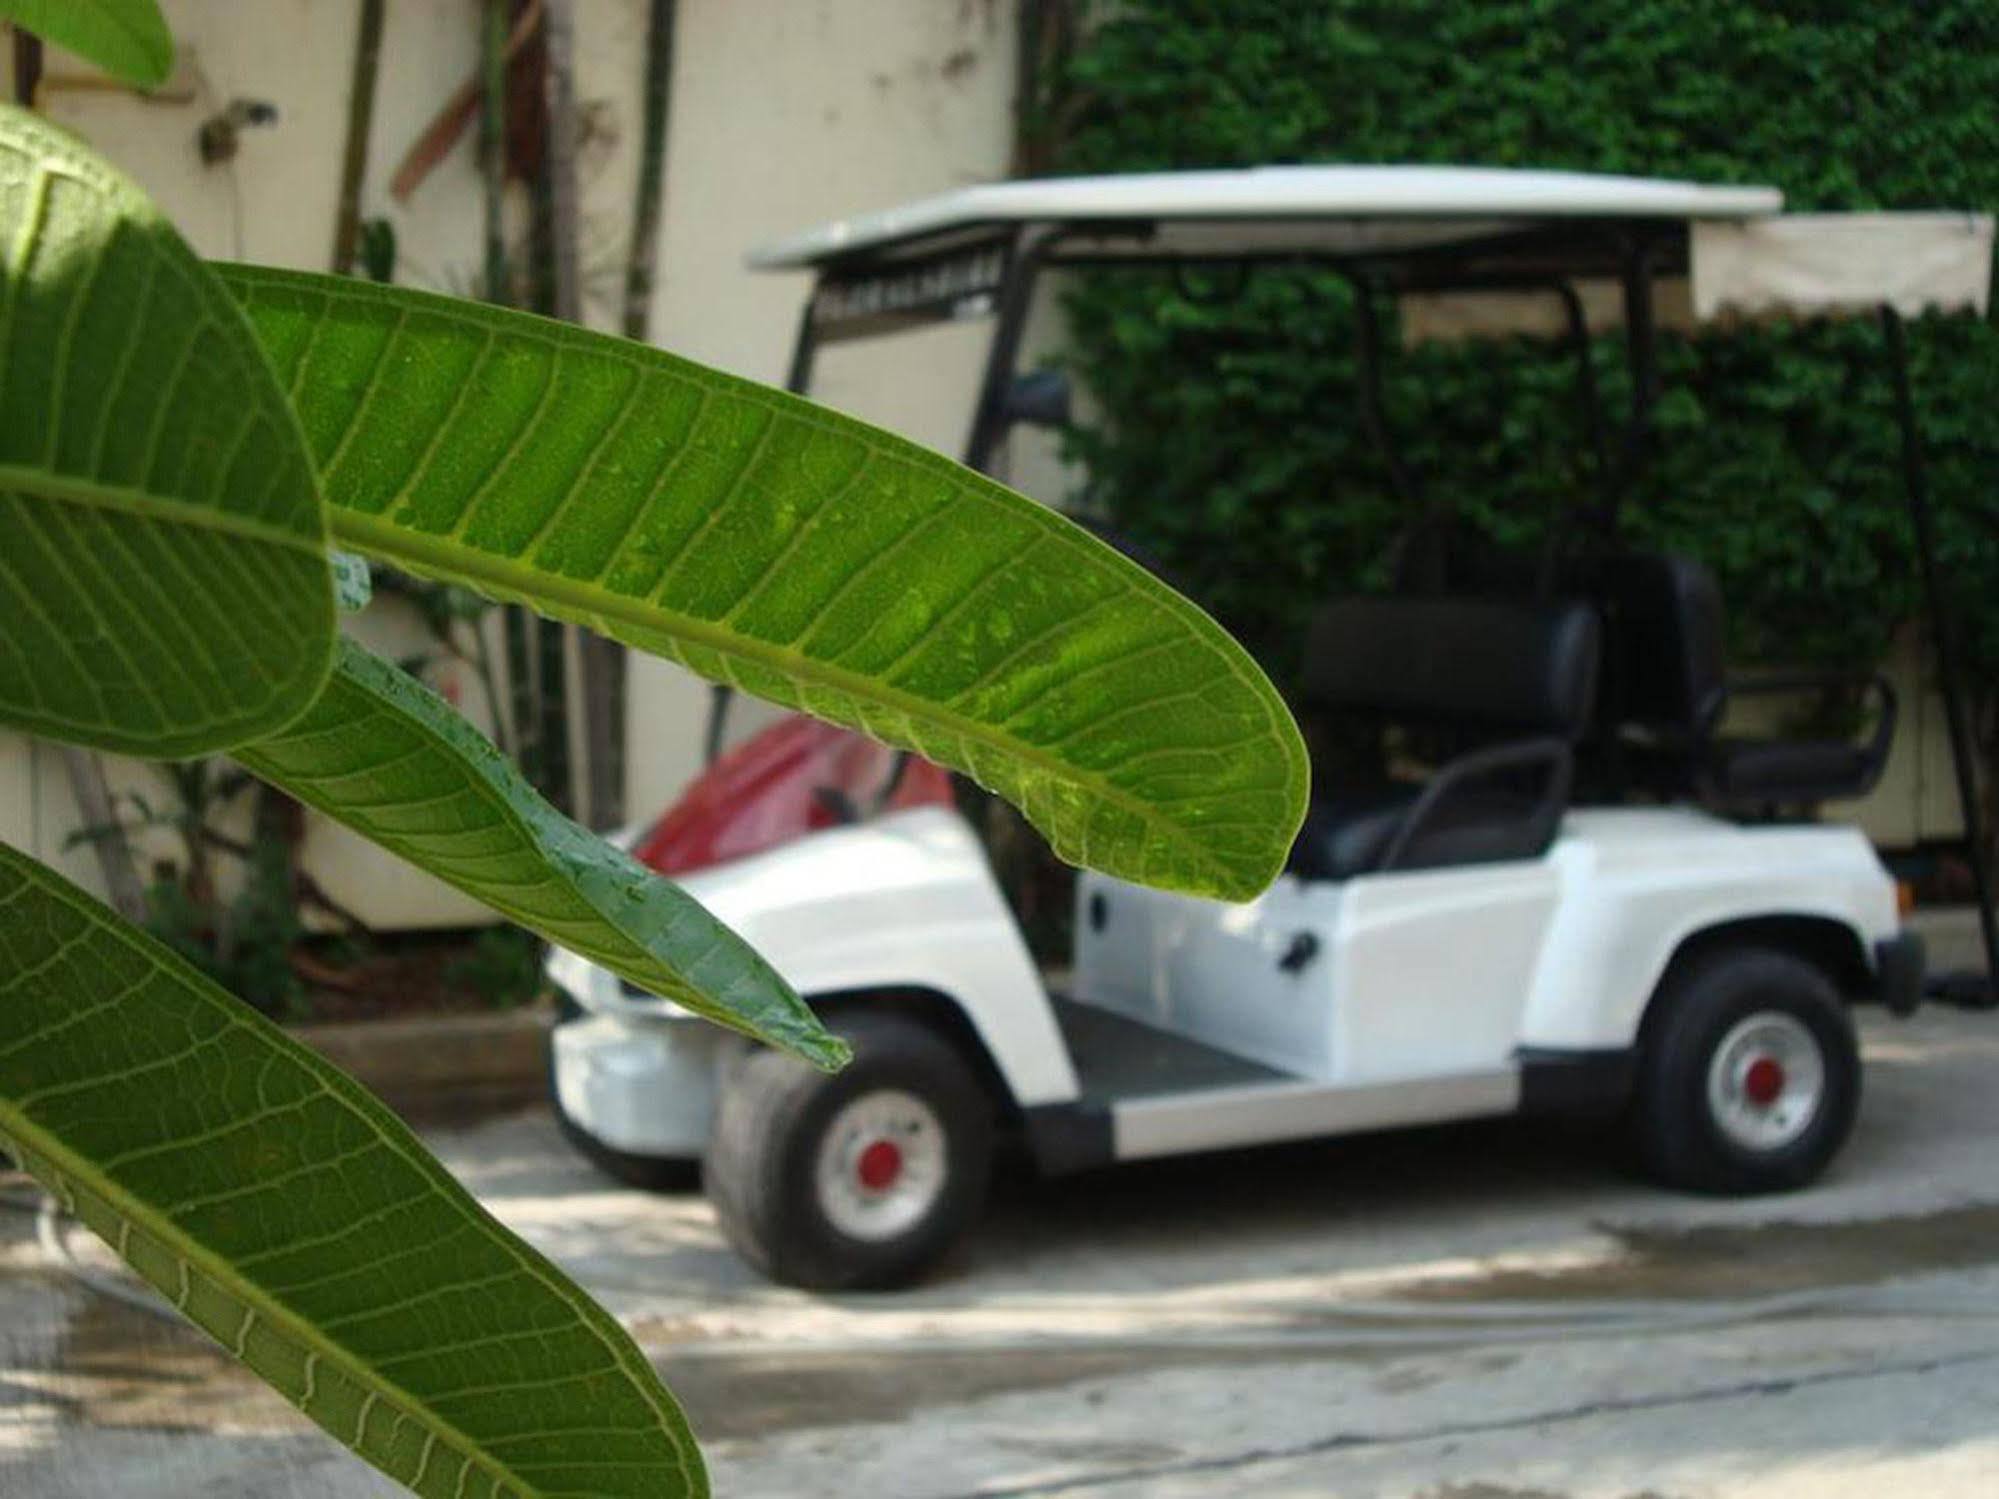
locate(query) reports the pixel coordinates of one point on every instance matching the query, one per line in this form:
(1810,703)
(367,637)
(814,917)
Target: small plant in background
(502,966)
(230,905)
(175,467)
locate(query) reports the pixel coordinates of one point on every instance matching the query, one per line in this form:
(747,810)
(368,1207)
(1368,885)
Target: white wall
(785,112)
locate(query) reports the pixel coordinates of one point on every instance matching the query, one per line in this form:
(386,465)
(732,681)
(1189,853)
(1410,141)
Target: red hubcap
(880,1164)
(1763,1083)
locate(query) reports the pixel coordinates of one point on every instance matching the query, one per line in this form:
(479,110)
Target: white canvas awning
(1809,265)
(1783,267)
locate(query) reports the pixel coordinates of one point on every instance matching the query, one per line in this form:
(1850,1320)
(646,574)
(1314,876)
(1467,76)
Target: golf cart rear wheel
(1750,1075)
(863,1179)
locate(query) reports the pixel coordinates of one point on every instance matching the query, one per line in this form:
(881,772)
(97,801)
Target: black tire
(649,1173)
(1688,1138)
(775,1115)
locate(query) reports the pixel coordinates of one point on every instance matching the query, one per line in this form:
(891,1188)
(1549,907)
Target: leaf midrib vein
(130,500)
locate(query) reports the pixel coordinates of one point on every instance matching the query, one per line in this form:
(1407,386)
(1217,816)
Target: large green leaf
(127,38)
(163,580)
(300,1224)
(392,760)
(808,558)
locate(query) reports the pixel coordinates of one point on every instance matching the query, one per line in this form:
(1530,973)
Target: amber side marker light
(1905,897)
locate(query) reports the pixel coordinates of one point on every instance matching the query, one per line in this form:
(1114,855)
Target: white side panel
(1434,966)
(1637,882)
(1115,962)
(1416,975)
(1209,971)
(906,901)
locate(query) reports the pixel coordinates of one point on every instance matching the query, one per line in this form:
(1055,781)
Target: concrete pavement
(1484,1312)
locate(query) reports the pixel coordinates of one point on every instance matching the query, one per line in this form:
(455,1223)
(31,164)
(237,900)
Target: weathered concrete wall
(784,113)
(787,113)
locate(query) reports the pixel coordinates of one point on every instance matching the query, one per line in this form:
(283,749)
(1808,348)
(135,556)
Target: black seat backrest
(1665,670)
(1499,666)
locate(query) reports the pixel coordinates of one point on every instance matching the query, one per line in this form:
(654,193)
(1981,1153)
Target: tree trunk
(360,120)
(492,146)
(559,96)
(639,271)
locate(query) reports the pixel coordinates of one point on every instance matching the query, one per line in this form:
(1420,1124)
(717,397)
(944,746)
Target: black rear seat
(1666,691)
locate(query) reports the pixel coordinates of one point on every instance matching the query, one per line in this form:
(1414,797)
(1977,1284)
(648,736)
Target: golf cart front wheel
(1750,1075)
(863,1179)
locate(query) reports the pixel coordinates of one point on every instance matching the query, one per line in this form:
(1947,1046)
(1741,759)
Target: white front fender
(906,901)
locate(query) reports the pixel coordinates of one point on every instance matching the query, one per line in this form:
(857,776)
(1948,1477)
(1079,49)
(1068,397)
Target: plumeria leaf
(392,760)
(163,570)
(803,556)
(300,1224)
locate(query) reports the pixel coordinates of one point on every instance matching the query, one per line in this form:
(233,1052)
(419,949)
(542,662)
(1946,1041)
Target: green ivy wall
(1229,439)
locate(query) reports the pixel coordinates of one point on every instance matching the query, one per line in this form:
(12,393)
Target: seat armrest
(1824,681)
(1479,765)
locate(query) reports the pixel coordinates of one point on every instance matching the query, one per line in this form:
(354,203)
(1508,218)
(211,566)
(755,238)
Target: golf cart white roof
(1737,256)
(1292,209)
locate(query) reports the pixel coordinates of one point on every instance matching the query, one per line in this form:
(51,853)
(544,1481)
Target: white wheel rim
(881,1165)
(1767,1081)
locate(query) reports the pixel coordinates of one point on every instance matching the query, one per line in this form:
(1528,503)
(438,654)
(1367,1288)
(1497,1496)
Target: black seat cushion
(1789,770)
(1348,835)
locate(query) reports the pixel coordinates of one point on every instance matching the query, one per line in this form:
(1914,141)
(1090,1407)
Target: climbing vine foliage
(1229,439)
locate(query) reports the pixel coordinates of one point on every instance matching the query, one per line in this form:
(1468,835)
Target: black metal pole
(1916,483)
(1424,563)
(804,348)
(1641,346)
(1587,397)
(1373,406)
(1016,298)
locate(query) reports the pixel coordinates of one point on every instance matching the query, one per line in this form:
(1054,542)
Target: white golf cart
(1556,884)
